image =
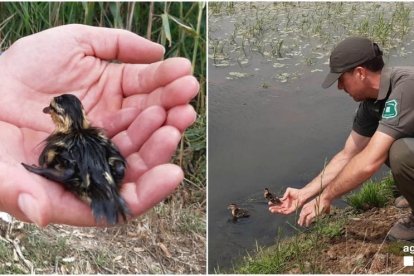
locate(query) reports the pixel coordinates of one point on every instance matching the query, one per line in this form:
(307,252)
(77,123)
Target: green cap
(348,54)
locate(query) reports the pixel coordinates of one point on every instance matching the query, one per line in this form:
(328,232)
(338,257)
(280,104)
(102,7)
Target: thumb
(30,206)
(23,195)
(286,194)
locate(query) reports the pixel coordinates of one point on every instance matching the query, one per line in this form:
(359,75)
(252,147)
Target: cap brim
(330,79)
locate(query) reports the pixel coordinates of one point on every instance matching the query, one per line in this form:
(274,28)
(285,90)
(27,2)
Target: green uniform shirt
(393,111)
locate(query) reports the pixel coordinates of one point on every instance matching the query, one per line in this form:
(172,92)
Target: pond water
(270,124)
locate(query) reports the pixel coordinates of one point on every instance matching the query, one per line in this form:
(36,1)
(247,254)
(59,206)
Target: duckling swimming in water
(271,197)
(82,159)
(237,212)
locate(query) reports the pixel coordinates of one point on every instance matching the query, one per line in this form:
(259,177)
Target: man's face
(352,82)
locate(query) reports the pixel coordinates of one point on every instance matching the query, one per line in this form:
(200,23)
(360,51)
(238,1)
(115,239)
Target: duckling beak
(46,110)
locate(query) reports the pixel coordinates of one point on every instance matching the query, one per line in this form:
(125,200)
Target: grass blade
(166,28)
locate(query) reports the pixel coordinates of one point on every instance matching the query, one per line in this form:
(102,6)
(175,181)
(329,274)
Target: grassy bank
(349,240)
(170,238)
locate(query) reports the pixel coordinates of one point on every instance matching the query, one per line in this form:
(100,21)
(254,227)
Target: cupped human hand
(125,88)
(314,208)
(291,201)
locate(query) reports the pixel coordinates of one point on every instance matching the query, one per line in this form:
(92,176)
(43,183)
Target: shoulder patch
(390,109)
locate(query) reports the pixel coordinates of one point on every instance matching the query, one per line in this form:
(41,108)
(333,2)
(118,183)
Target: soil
(364,247)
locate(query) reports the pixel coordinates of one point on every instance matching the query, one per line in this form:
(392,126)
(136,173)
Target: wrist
(306,193)
(326,195)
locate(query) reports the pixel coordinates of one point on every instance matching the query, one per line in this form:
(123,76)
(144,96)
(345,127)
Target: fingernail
(28,205)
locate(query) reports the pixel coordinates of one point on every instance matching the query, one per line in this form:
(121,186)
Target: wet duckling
(271,197)
(237,212)
(82,159)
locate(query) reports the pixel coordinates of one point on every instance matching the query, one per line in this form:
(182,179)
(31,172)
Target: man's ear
(362,73)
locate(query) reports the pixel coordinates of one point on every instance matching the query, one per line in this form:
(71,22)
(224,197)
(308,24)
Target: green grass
(300,253)
(290,253)
(274,260)
(39,250)
(372,194)
(44,251)
(192,222)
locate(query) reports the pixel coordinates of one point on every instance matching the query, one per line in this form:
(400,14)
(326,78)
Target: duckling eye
(54,109)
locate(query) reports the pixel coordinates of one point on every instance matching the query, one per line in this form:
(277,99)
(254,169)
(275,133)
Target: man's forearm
(354,174)
(332,169)
(360,168)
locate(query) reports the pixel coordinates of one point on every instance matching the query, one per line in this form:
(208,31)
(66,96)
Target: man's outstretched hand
(291,201)
(142,103)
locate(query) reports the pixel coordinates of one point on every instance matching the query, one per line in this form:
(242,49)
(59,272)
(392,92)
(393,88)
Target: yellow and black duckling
(237,212)
(272,198)
(83,160)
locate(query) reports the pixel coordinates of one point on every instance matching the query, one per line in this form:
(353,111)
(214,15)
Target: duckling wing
(246,214)
(116,161)
(88,164)
(55,163)
(61,176)
(101,181)
(242,213)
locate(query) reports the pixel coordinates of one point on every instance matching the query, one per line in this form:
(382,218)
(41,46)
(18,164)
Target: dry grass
(169,239)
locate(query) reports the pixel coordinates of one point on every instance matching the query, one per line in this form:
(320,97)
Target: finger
(51,203)
(160,147)
(178,92)
(302,216)
(286,194)
(274,209)
(281,208)
(116,44)
(142,79)
(33,209)
(181,117)
(152,187)
(284,211)
(69,210)
(119,121)
(309,219)
(35,199)
(140,130)
(157,150)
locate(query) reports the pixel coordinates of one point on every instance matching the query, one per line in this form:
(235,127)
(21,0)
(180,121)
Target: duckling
(237,212)
(82,159)
(271,197)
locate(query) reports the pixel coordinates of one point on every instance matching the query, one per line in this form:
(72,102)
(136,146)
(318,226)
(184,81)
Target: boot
(403,229)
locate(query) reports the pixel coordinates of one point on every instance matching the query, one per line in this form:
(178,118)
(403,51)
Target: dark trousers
(401,161)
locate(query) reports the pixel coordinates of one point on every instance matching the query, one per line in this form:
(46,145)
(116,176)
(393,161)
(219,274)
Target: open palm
(141,102)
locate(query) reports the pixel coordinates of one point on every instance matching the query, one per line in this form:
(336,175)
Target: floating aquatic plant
(284,36)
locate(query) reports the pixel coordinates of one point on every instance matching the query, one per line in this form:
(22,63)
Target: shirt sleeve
(365,122)
(398,113)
